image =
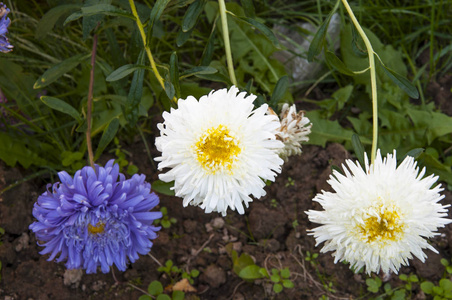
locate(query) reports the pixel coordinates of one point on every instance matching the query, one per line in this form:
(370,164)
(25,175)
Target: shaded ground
(267,232)
(273,232)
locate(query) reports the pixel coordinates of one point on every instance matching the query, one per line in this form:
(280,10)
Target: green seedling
(155,289)
(280,279)
(166,221)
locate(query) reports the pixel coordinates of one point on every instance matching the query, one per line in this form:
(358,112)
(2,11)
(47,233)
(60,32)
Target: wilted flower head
(294,129)
(96,219)
(5,46)
(379,217)
(219,150)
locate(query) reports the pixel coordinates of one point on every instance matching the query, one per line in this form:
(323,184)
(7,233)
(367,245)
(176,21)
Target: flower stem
(146,46)
(373,79)
(89,111)
(227,44)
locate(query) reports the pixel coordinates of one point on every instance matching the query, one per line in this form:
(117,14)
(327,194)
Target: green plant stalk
(373,79)
(227,43)
(146,46)
(89,110)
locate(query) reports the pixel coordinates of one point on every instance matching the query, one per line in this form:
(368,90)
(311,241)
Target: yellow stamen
(216,149)
(385,227)
(99,228)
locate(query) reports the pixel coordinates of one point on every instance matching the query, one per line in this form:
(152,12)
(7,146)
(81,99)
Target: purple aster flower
(5,46)
(96,219)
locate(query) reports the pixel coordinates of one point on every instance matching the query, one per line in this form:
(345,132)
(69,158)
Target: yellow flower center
(216,149)
(385,227)
(99,228)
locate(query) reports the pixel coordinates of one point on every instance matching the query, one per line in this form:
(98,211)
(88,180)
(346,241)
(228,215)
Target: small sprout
(290,182)
(166,221)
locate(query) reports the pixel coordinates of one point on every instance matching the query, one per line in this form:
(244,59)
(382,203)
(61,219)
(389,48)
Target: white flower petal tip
(220,150)
(381,217)
(294,130)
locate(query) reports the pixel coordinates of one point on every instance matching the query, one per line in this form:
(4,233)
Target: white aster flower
(219,150)
(294,129)
(379,218)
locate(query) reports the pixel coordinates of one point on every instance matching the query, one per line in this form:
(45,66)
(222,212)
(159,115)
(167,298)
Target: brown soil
(199,241)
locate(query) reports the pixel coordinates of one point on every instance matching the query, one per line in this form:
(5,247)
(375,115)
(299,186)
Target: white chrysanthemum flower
(219,150)
(294,129)
(379,218)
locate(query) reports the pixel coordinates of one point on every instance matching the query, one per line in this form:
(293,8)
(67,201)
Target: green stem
(227,44)
(89,110)
(373,79)
(146,46)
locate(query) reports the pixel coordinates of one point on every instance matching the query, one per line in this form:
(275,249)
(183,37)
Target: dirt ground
(273,232)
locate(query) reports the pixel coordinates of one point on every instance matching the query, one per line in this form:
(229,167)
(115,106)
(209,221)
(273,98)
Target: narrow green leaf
(169,89)
(248,8)
(107,136)
(402,82)
(163,187)
(210,47)
(59,70)
(356,38)
(192,14)
(279,91)
(61,106)
(201,70)
(51,17)
(268,33)
(358,148)
(182,37)
(156,12)
(174,73)
(123,71)
(319,38)
(415,153)
(337,64)
(135,92)
(104,9)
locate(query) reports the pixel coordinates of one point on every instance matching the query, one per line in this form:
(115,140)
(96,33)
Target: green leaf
(275,278)
(267,32)
(403,277)
(155,288)
(61,106)
(59,70)
(427,287)
(51,17)
(123,71)
(107,136)
(192,14)
(169,89)
(402,82)
(15,150)
(358,148)
(319,38)
(324,131)
(372,285)
(277,288)
(248,8)
(174,74)
(446,284)
(201,70)
(288,284)
(104,9)
(279,91)
(182,37)
(415,153)
(156,12)
(135,93)
(144,297)
(194,273)
(178,295)
(285,273)
(337,64)
(264,273)
(163,187)
(163,297)
(250,272)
